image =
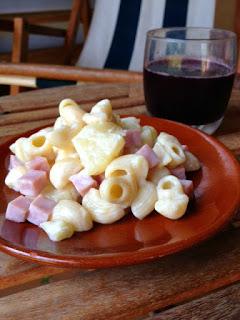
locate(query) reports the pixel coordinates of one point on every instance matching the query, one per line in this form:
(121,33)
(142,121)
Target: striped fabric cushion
(116,38)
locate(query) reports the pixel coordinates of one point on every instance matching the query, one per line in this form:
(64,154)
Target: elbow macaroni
(66,193)
(172,202)
(120,190)
(156,173)
(130,123)
(192,163)
(144,202)
(101,112)
(173,147)
(62,170)
(94,142)
(149,135)
(132,164)
(57,230)
(73,213)
(101,210)
(71,113)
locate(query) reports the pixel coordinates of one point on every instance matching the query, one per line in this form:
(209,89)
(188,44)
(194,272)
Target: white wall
(10,6)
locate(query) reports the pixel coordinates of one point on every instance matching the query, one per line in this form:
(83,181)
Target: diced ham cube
(83,182)
(133,138)
(99,178)
(32,183)
(17,209)
(187,187)
(14,162)
(40,210)
(149,155)
(179,172)
(38,163)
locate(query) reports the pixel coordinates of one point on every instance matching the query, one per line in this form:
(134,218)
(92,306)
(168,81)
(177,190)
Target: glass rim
(225,34)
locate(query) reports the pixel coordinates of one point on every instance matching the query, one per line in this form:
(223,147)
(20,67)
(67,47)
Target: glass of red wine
(189,74)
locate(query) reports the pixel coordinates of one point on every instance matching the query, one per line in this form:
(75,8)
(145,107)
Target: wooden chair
(24,24)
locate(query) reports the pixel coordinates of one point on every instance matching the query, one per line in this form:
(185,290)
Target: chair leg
(20,46)
(85,17)
(72,30)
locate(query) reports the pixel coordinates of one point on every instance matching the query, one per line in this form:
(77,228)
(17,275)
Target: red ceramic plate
(130,241)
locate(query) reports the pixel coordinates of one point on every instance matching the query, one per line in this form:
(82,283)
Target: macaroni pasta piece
(144,202)
(149,135)
(130,123)
(156,173)
(73,213)
(101,112)
(128,164)
(173,207)
(57,230)
(18,148)
(192,163)
(59,123)
(61,138)
(62,170)
(172,202)
(66,153)
(162,154)
(71,113)
(120,190)
(101,210)
(173,148)
(168,185)
(66,193)
(38,145)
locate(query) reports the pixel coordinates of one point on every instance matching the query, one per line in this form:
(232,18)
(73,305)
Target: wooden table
(200,283)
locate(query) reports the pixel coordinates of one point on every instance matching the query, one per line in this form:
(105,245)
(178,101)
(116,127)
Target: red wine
(187,90)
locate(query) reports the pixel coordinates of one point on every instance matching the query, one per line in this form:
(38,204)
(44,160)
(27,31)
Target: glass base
(209,128)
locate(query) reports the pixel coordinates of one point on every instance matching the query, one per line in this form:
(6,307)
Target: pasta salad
(91,167)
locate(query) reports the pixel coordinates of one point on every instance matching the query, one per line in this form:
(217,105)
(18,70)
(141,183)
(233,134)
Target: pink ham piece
(14,162)
(83,182)
(149,155)
(32,183)
(99,178)
(187,187)
(38,163)
(40,210)
(179,172)
(133,138)
(17,209)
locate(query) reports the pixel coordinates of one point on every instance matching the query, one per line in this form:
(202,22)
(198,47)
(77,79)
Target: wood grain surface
(223,304)
(200,283)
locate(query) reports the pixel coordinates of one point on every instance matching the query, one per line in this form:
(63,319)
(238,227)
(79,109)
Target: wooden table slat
(223,304)
(45,98)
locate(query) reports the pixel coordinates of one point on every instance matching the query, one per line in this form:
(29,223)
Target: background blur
(46,49)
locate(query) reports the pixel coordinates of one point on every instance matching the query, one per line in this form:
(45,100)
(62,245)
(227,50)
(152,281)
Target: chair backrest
(117,34)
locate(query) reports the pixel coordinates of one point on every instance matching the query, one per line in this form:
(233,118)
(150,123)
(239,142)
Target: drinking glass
(189,74)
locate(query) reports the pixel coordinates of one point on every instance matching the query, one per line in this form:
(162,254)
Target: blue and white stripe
(117,35)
